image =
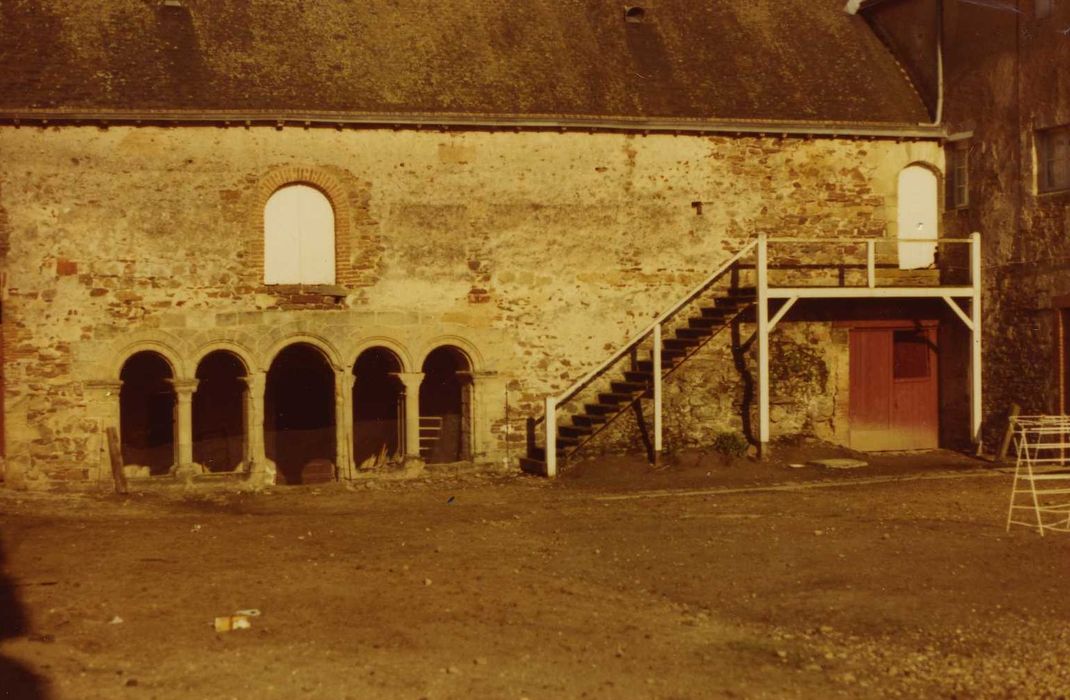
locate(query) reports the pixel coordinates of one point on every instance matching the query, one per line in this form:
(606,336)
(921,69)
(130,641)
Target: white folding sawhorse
(1041,473)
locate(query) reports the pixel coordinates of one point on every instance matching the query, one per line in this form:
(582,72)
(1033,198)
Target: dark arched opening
(378,407)
(446,406)
(147,412)
(299,412)
(219,412)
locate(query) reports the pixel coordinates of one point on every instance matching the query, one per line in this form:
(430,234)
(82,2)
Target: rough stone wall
(1004,80)
(536,253)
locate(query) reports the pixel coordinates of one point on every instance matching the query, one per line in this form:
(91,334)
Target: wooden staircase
(626,387)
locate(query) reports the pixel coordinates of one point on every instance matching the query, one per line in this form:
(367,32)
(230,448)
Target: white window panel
(298,237)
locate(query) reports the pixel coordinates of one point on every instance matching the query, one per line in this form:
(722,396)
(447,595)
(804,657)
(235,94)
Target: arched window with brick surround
(299,233)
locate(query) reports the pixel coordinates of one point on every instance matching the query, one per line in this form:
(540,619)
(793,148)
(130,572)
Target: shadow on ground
(16,681)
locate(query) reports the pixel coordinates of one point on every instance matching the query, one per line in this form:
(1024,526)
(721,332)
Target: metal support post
(975,338)
(657,392)
(550,425)
(763,345)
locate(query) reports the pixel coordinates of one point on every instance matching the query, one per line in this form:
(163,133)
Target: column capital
(411,380)
(184,387)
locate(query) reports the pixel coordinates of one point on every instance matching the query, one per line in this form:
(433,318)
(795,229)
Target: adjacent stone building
(254,233)
(1006,109)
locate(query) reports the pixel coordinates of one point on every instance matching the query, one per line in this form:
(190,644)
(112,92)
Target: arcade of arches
(312,420)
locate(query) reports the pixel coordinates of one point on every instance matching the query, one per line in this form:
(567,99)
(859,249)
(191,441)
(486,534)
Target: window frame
(1046,159)
(957,174)
(301,280)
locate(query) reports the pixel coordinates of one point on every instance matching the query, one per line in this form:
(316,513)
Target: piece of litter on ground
(250,612)
(839,463)
(115,620)
(232,622)
(450,500)
(796,465)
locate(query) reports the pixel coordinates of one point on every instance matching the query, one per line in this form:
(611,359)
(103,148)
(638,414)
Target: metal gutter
(281,120)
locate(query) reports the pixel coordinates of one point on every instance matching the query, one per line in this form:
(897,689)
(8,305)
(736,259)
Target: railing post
(975,338)
(657,392)
(871,265)
(763,344)
(550,426)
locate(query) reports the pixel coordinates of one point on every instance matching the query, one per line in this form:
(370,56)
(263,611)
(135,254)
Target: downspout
(939,63)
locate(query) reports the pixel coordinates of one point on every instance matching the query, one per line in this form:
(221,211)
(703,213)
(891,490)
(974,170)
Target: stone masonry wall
(538,254)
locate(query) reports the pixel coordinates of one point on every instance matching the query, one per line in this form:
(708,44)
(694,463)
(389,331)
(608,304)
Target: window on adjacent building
(298,237)
(1043,8)
(957,182)
(1053,159)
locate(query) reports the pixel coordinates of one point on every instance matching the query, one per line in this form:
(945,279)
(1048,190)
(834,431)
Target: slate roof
(748,60)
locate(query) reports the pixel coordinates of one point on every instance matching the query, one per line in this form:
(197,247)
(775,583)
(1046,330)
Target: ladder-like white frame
(1041,442)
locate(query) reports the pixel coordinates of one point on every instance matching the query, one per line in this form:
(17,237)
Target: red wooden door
(893,392)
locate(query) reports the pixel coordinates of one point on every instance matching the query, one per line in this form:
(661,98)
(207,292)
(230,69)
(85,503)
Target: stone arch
(301,411)
(382,341)
(378,405)
(330,352)
(475,358)
(446,404)
(164,346)
(336,194)
(147,402)
(220,410)
(244,354)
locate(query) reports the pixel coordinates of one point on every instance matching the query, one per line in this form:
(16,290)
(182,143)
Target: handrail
(874,239)
(638,338)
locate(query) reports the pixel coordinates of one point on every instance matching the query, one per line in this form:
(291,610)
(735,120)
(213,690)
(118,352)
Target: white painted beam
(762,269)
(866,292)
(781,312)
(976,368)
(657,393)
(550,424)
(959,312)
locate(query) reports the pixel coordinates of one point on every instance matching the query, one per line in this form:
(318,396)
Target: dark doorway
(219,412)
(299,411)
(147,412)
(446,406)
(378,406)
(894,389)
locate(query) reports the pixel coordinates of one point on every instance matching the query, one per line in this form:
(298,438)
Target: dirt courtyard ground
(699,581)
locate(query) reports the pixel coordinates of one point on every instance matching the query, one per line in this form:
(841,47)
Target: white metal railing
(765,323)
(549,418)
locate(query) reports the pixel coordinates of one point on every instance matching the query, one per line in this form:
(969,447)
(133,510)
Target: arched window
(918,217)
(298,237)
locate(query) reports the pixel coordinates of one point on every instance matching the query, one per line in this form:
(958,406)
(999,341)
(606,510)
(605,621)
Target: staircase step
(639,377)
(600,409)
(588,419)
(612,398)
(668,359)
(706,322)
(627,387)
(696,333)
(714,312)
(577,431)
(565,441)
(679,343)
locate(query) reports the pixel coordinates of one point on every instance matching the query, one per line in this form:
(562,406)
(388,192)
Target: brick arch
(336,194)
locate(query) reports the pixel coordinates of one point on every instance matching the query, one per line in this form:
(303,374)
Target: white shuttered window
(298,237)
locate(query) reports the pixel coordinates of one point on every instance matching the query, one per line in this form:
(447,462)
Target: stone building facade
(489,246)
(1006,109)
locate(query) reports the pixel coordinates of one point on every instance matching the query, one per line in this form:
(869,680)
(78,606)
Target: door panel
(893,394)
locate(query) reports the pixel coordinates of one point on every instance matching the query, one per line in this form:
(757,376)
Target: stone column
(412,381)
(102,407)
(343,422)
(255,457)
(184,389)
